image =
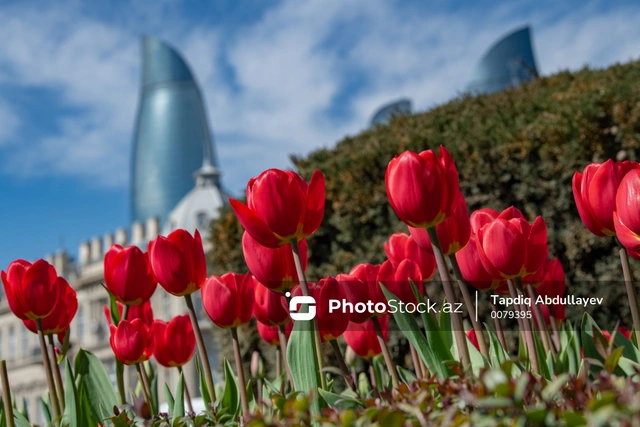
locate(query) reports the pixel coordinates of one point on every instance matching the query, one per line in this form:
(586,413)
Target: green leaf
(339,401)
(552,389)
(177,410)
(477,359)
(302,359)
(169,398)
(410,329)
(363,385)
(20,420)
(94,386)
(204,391)
(231,397)
(72,413)
(46,411)
(611,363)
(406,375)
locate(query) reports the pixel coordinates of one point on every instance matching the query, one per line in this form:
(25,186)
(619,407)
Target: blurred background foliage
(518,147)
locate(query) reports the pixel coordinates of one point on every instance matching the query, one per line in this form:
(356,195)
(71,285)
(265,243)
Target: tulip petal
(255,226)
(315,197)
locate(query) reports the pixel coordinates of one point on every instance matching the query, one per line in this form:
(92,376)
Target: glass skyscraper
(508,63)
(384,113)
(172,138)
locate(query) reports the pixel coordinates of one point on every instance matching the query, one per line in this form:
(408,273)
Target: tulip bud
(174,342)
(281,207)
(257,365)
(472,269)
(143,312)
(268,306)
(421,187)
(274,268)
(63,312)
(510,247)
(228,299)
(396,280)
(330,324)
(131,341)
(270,333)
(471,335)
(178,262)
(32,290)
(128,275)
(362,338)
(402,246)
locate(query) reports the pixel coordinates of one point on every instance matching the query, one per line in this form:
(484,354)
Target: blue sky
(279,77)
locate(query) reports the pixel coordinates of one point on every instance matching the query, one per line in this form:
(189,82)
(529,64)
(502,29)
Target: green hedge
(518,147)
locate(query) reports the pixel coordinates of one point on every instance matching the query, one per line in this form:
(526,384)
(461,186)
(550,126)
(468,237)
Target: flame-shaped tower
(508,63)
(172,138)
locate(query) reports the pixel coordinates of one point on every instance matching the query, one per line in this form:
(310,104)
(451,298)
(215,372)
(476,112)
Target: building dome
(199,206)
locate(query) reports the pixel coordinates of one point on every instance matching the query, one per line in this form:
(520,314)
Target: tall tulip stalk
(282,209)
(422,189)
(179,264)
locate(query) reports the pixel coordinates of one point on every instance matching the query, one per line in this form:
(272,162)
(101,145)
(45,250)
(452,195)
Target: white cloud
(9,123)
(270,85)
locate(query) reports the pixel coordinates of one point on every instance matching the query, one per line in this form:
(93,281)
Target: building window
(12,342)
(80,323)
(25,341)
(203,220)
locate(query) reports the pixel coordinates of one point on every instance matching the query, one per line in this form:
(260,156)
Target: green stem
(343,365)
(542,326)
(204,358)
(187,395)
(391,367)
(6,394)
(456,320)
(471,308)
(55,405)
(631,292)
(56,372)
(526,331)
(244,401)
(282,336)
(145,389)
(305,291)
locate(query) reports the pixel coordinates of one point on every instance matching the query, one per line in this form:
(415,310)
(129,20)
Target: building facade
(175,184)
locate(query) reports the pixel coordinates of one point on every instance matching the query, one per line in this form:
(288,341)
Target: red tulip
(453,233)
(178,262)
(482,217)
(473,270)
(274,268)
(595,190)
(361,286)
(268,306)
(471,334)
(553,281)
(358,292)
(32,290)
(510,247)
(175,342)
(402,246)
(362,338)
(131,341)
(421,187)
(397,279)
(331,325)
(270,333)
(60,318)
(228,299)
(143,312)
(281,207)
(626,217)
(128,275)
